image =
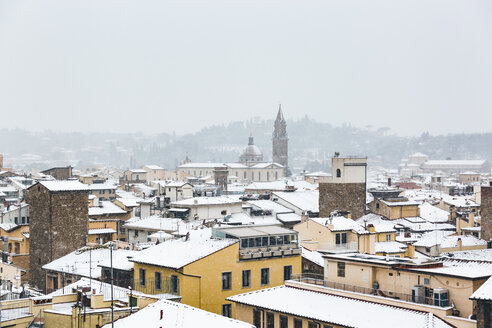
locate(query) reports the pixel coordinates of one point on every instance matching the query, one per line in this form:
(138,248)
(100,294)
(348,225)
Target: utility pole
(112,300)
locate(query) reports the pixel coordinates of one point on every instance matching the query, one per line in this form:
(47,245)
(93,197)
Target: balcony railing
(272,251)
(317,279)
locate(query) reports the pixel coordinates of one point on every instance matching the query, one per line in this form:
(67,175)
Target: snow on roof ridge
(236,298)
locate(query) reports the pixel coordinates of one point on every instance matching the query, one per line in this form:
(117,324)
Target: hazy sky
(159,66)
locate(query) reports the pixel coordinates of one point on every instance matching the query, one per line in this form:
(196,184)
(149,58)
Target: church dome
(251,150)
(251,153)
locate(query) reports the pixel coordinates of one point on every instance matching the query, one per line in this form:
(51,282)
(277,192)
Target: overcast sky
(159,66)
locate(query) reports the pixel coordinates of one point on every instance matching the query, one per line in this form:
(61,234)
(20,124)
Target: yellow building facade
(200,283)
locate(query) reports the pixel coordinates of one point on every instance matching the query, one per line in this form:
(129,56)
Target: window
(427,281)
(174,285)
(136,233)
(312,324)
(388,237)
(226,280)
(341,238)
(297,323)
(276,175)
(244,175)
(268,176)
(246,278)
(284,323)
(339,173)
(227,310)
(257,318)
(427,249)
(287,272)
(16,220)
(141,277)
(158,281)
(341,269)
(326,326)
(17,248)
(377,206)
(270,320)
(265,276)
(259,176)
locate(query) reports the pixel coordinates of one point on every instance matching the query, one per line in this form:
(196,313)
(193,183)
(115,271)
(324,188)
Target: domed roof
(251,150)
(251,153)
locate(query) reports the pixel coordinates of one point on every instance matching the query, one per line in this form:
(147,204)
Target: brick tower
(280,142)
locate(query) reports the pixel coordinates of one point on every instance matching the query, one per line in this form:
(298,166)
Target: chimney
(389,182)
(458,225)
(145,208)
(371,228)
(304,217)
(162,314)
(460,243)
(471,220)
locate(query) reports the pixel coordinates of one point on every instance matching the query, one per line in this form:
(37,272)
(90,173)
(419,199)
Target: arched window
(276,175)
(339,173)
(259,176)
(268,176)
(252,176)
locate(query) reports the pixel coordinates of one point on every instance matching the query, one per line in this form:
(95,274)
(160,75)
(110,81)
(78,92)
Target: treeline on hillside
(311,144)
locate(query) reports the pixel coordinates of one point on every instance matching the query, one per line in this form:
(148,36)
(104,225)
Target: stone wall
(343,197)
(486,212)
(22,261)
(484,314)
(58,226)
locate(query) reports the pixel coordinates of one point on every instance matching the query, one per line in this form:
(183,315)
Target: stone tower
(280,141)
(58,225)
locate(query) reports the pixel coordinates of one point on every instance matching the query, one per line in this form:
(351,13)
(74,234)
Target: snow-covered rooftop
(154,167)
(303,200)
(340,223)
(81,261)
(281,185)
(484,255)
(154,223)
(64,185)
(203,201)
(176,315)
(268,205)
(313,256)
(445,240)
(484,292)
(178,253)
(433,214)
(336,310)
(390,247)
(105,207)
(101,231)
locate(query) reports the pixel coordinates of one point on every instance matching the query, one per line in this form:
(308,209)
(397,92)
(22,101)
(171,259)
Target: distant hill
(311,145)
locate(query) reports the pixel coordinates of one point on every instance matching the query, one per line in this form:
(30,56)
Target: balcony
(271,251)
(338,248)
(318,280)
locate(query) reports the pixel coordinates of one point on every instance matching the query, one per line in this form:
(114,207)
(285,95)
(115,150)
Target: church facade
(251,167)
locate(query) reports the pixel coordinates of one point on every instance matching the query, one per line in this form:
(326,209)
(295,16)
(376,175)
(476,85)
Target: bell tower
(280,141)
